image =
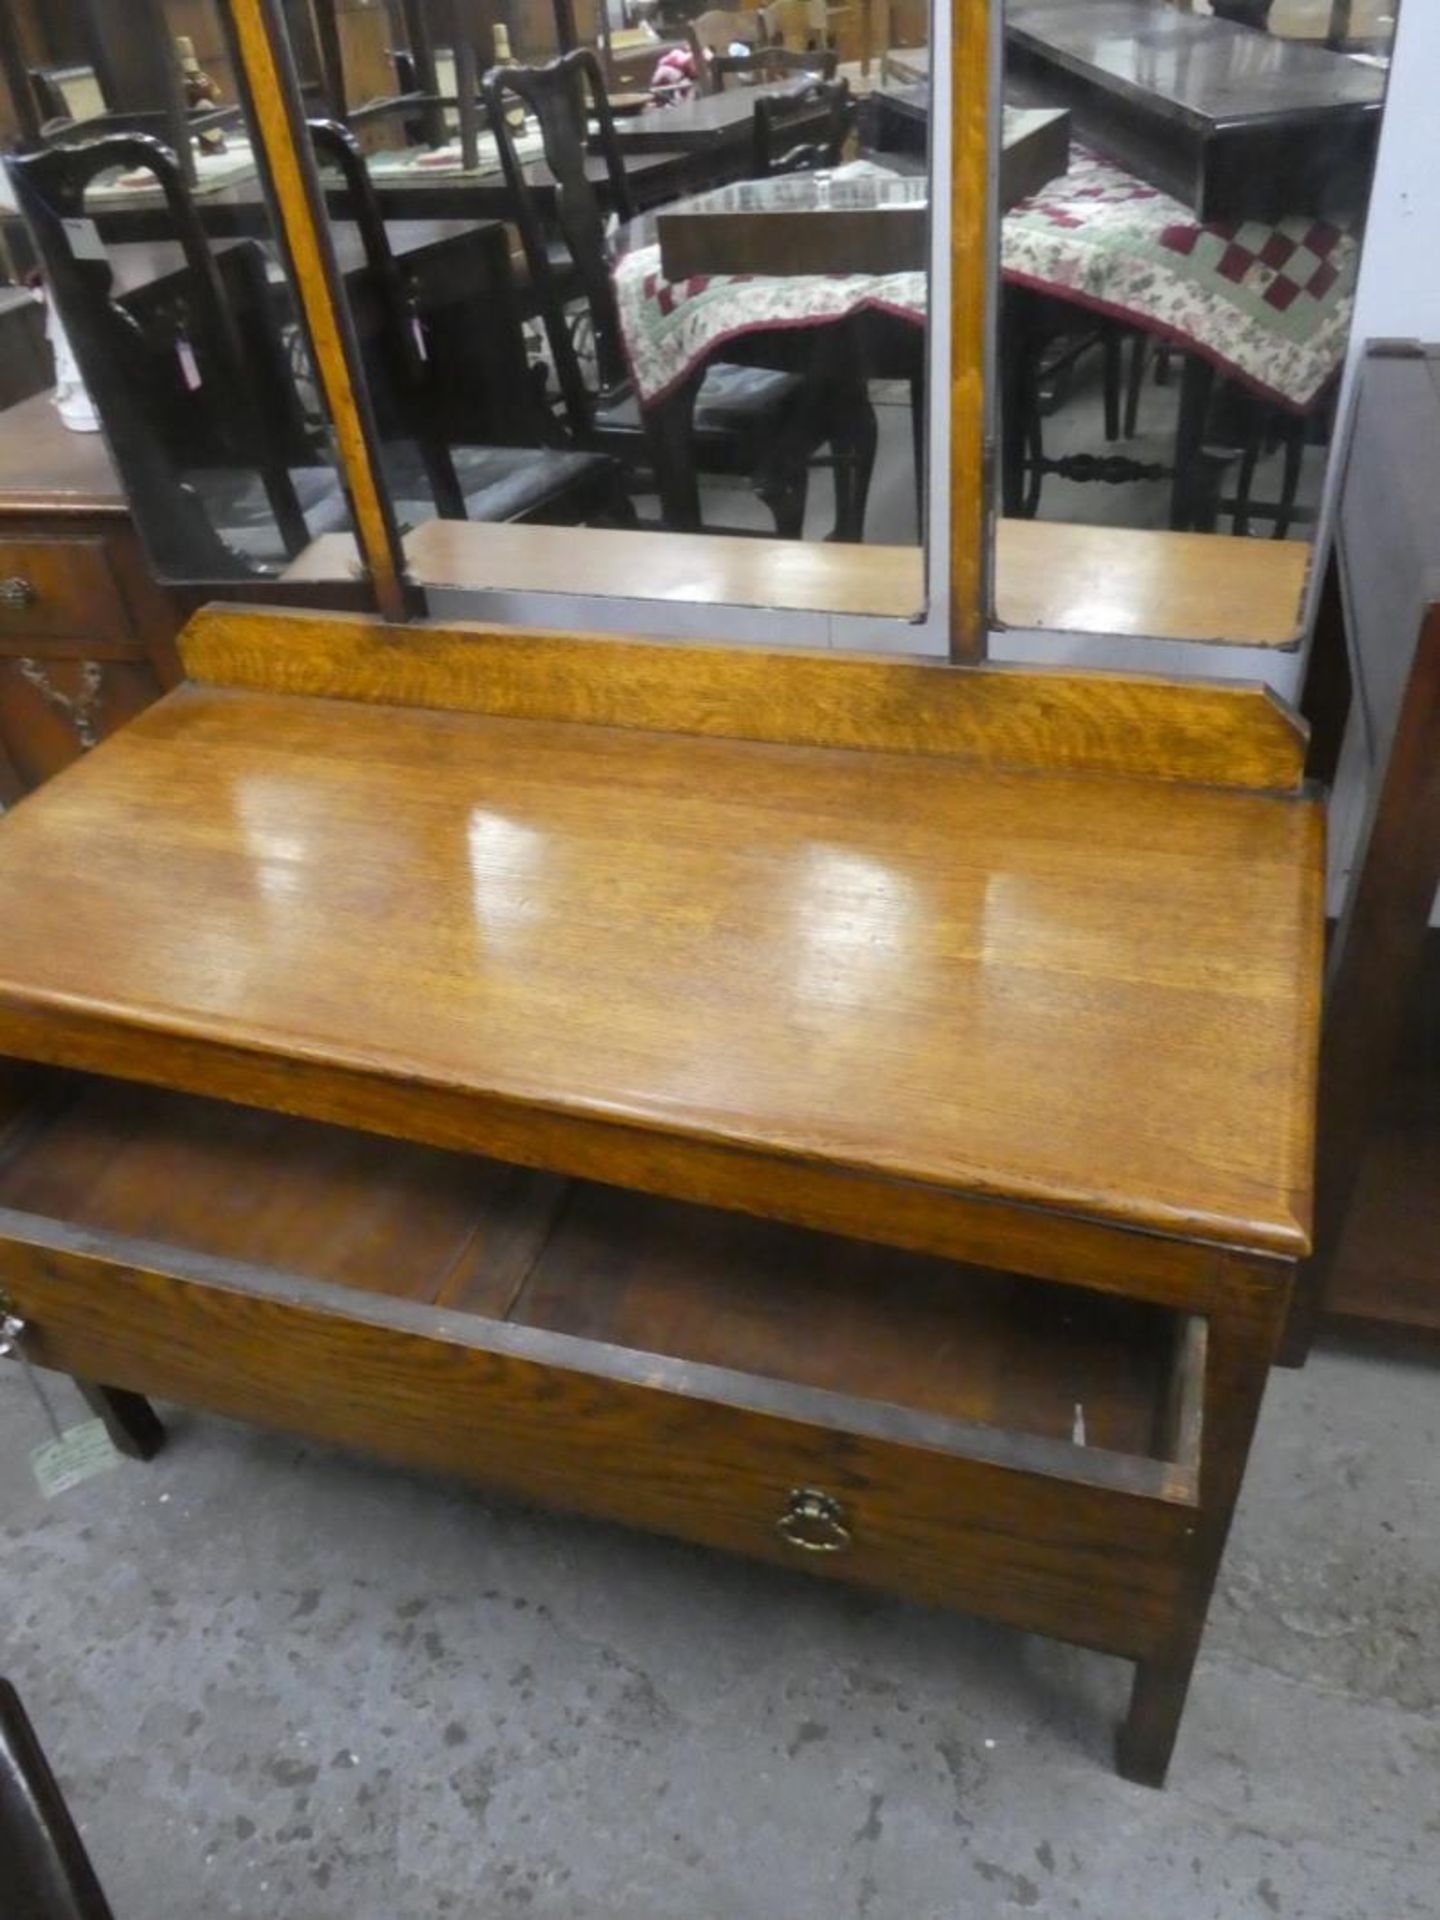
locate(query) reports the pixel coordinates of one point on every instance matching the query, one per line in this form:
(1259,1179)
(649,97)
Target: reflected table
(673,330)
(1233,123)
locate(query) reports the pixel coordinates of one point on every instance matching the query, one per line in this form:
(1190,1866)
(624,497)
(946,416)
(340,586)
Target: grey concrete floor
(279,1681)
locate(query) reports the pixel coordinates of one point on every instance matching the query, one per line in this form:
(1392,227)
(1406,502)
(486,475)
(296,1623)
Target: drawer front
(629,1438)
(56,704)
(61,587)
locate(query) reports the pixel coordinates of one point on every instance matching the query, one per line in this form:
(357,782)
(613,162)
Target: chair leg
(1134,381)
(1290,479)
(134,1427)
(1112,347)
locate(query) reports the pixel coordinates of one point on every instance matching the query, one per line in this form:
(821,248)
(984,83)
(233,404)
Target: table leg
(1192,492)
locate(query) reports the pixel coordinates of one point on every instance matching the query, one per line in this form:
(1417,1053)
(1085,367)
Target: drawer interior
(473,1236)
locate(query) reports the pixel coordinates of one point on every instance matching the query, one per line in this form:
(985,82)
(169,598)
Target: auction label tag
(78,1455)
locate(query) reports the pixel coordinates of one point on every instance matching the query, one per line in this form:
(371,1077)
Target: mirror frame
(265,69)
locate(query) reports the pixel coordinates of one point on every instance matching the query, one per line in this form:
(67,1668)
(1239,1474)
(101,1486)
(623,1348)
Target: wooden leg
(1146,1738)
(132,1423)
(1241,1338)
(1189,506)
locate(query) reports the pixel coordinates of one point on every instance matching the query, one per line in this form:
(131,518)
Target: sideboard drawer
(60,700)
(66,586)
(487,1321)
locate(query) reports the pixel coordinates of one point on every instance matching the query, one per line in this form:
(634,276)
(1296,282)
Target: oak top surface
(1091,993)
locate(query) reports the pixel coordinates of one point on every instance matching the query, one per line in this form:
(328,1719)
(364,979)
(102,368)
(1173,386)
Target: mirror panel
(669,297)
(174,328)
(1174,307)
(668,304)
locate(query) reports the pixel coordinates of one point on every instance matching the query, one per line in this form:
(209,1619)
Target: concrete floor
(276,1681)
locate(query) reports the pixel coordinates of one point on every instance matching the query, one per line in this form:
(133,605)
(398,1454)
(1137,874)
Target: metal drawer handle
(814,1521)
(17,592)
(12,1332)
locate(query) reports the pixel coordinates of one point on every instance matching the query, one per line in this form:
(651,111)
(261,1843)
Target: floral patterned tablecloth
(669,327)
(1269,303)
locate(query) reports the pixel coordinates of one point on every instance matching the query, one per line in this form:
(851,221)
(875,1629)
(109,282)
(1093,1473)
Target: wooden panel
(1085,995)
(61,587)
(1237,736)
(862,1320)
(710,569)
(653,1444)
(239,1184)
(1388,548)
(56,702)
(1154,585)
(1386,1267)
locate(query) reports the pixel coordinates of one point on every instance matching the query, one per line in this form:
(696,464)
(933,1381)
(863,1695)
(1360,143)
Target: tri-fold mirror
(632,299)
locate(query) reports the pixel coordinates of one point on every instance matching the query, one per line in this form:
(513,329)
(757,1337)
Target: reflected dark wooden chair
(45,1872)
(226,477)
(714,32)
(767,65)
(803,130)
(751,421)
(427,393)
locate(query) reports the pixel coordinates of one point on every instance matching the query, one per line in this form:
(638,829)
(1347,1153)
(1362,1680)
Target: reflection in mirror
(650,273)
(173,330)
(1175,303)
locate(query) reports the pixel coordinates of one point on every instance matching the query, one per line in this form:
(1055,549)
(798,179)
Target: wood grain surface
(1088,995)
(1150,584)
(1223,735)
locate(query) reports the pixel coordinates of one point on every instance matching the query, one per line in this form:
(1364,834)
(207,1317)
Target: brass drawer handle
(17,592)
(814,1521)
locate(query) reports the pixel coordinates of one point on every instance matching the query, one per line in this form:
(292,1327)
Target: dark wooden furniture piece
(198,405)
(469,404)
(763,423)
(770,66)
(803,130)
(1235,124)
(710,128)
(86,637)
(45,1872)
(1379,1136)
(874,224)
(939,1243)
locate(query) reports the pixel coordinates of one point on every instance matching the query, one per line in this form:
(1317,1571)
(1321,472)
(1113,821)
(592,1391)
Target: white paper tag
(83,1452)
(189,367)
(84,238)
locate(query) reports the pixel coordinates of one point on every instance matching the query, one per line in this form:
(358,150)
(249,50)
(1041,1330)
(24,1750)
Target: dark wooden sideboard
(1236,124)
(86,635)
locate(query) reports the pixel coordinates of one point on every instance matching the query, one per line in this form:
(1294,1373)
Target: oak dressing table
(856,1114)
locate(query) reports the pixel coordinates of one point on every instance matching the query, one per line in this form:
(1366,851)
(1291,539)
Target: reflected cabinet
(846,1108)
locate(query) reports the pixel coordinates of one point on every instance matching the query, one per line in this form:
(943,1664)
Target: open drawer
(1021,1450)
